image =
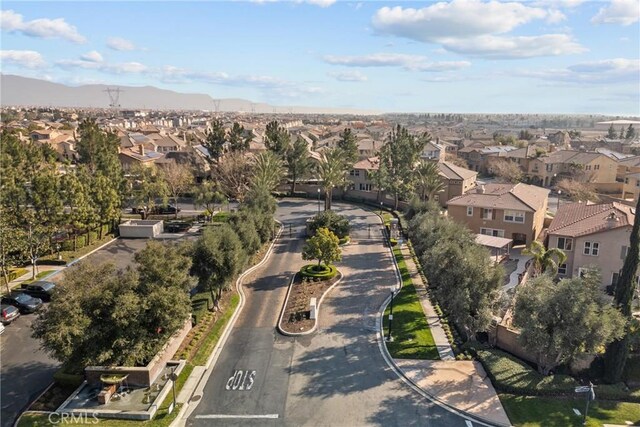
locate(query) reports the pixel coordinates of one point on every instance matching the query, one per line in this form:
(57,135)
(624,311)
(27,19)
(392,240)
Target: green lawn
(40,275)
(529,411)
(411,333)
(209,342)
(221,217)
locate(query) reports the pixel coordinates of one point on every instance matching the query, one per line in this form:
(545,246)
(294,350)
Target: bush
(52,262)
(200,304)
(511,375)
(323,272)
(15,273)
(337,224)
(393,242)
(344,240)
(63,378)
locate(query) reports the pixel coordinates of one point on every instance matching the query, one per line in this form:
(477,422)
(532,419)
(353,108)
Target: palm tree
(545,260)
(267,172)
(331,171)
(428,180)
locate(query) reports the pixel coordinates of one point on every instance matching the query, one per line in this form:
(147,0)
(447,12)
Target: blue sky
(544,56)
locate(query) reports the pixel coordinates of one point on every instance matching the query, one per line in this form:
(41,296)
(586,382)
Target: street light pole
(558,206)
(318,200)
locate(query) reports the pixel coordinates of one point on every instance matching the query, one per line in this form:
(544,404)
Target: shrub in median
(324,272)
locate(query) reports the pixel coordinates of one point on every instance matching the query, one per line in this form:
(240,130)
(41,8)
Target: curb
(17,421)
(69,264)
(382,346)
(315,325)
(186,409)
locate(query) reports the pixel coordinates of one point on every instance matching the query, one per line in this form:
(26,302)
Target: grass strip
(410,330)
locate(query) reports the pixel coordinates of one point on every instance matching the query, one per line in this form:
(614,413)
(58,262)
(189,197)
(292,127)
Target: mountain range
(24,91)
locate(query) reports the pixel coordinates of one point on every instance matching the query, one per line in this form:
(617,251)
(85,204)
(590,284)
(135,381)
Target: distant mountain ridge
(24,91)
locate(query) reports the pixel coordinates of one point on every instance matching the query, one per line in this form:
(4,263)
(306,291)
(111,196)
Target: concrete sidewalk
(15,283)
(458,383)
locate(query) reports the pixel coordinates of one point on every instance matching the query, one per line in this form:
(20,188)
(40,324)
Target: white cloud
(477,28)
(564,4)
(441,66)
(376,60)
(321,3)
(93,56)
(610,71)
(13,22)
(117,68)
(118,43)
(495,47)
(623,12)
(22,58)
(348,76)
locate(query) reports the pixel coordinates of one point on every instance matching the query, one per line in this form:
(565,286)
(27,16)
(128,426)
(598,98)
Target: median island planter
(310,283)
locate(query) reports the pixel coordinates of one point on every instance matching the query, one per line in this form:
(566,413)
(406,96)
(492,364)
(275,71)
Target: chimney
(612,220)
(141,149)
(481,189)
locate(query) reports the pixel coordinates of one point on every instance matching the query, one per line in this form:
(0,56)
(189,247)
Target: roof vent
(481,189)
(612,220)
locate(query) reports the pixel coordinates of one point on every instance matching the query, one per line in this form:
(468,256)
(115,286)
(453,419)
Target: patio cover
(492,241)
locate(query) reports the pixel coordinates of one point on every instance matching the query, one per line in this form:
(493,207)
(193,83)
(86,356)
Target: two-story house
(592,235)
(579,165)
(433,151)
(513,211)
(457,181)
(478,158)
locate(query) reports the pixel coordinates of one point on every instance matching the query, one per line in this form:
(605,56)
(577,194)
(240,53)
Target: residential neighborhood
(320,213)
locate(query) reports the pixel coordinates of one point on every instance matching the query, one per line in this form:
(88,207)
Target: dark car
(177,227)
(168,209)
(8,313)
(23,302)
(39,289)
(138,209)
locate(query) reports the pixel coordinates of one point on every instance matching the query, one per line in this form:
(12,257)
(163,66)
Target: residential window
(565,243)
(469,210)
(596,167)
(492,232)
(354,172)
(487,213)
(588,167)
(366,187)
(591,248)
(623,252)
(514,216)
(637,182)
(549,167)
(562,269)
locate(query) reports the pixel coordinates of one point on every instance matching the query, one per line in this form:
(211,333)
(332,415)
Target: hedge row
(326,272)
(15,273)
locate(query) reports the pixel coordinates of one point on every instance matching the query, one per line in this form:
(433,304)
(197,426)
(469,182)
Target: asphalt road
(334,377)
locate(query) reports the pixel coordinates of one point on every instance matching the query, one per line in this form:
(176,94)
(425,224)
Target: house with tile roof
(457,181)
(584,166)
(513,211)
(592,235)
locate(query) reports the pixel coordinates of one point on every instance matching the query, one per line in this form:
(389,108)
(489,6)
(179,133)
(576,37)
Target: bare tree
(178,179)
(233,173)
(505,170)
(577,191)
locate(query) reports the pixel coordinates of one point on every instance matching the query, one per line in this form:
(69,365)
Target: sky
(466,56)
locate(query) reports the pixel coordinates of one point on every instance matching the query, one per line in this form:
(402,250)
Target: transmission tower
(114,97)
(216,105)
(253,108)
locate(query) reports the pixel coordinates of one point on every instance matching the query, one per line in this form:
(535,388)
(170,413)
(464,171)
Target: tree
(545,260)
(323,246)
(506,171)
(611,133)
(331,172)
(298,161)
(348,144)
(337,224)
(561,321)
(208,194)
(147,185)
(104,316)
(105,199)
(398,158)
(215,140)
(267,171)
(277,138)
(99,151)
(217,258)
(631,132)
(238,142)
(577,191)
(10,244)
(178,179)
(428,180)
(244,224)
(621,136)
(525,135)
(618,351)
(233,175)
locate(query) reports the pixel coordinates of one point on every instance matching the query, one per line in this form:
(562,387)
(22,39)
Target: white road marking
(224,416)
(469,423)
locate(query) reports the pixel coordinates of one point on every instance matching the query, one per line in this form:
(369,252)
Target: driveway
(333,377)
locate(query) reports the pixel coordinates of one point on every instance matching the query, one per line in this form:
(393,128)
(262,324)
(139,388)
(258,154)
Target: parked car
(138,209)
(168,209)
(23,302)
(176,226)
(8,314)
(39,289)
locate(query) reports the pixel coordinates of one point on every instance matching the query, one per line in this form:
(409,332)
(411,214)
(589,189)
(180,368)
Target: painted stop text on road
(241,380)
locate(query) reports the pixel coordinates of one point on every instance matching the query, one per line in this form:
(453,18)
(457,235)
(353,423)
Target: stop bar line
(224,416)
